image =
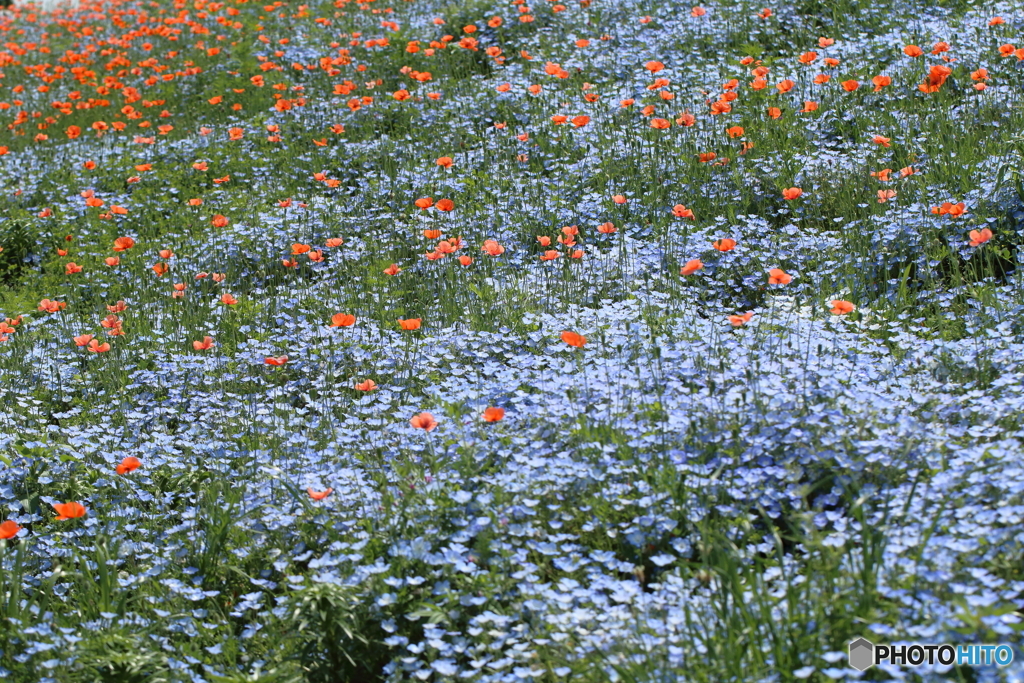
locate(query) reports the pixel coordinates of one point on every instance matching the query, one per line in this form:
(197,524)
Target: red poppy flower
(343,320)
(9,529)
(69,510)
(573,339)
(129,464)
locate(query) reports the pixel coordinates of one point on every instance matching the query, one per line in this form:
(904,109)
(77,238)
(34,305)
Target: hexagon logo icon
(862,654)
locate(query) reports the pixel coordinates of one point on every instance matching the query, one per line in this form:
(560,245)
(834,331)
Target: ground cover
(488,341)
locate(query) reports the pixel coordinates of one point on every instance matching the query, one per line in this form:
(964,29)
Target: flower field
(509,340)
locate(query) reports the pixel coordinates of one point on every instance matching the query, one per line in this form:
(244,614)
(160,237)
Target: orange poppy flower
(725,244)
(680,211)
(334,242)
(885,195)
(691,267)
(96,347)
(607,228)
(735,131)
(979,237)
(654,66)
(841,307)
(9,529)
(492,248)
(739,320)
(494,414)
(785,86)
(228,299)
(777,276)
(51,306)
(549,255)
(318,495)
(393,269)
(123,243)
(69,510)
(660,124)
(410,324)
(366,385)
(445,162)
(275,360)
(720,107)
(207,343)
(950,209)
(219,221)
(129,464)
(580,121)
(573,339)
(160,268)
(343,320)
(424,421)
(619,199)
(881,82)
(445,205)
(72,268)
(913,51)
(686,119)
(850,85)
(792,193)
